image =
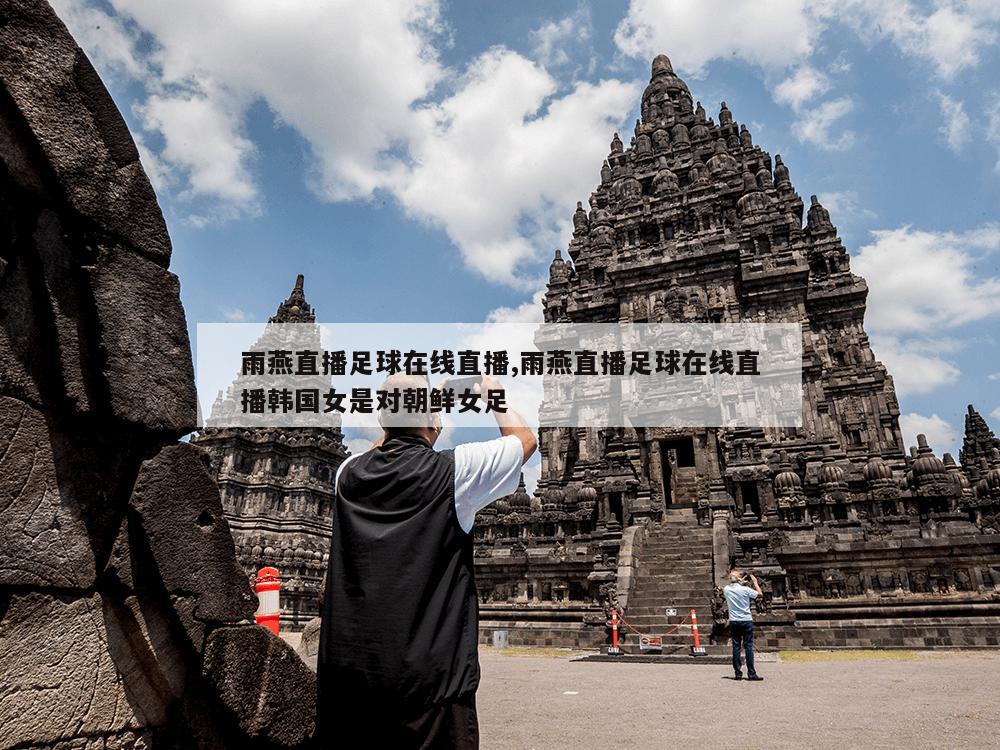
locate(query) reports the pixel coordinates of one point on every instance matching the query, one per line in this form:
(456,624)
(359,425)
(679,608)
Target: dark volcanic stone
(62,497)
(263,682)
(45,540)
(76,125)
(57,679)
(143,338)
(177,507)
(112,571)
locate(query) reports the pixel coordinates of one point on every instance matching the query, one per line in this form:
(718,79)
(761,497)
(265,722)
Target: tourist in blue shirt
(738,597)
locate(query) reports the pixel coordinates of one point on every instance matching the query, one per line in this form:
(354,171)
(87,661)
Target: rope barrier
(647,640)
(676,627)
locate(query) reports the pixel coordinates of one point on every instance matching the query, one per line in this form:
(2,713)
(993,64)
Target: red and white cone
(268,588)
(697,649)
(613,649)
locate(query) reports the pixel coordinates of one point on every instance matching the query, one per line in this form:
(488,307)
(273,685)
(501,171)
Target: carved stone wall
(125,620)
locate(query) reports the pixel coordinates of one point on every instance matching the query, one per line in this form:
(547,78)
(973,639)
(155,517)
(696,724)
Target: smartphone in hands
(461,385)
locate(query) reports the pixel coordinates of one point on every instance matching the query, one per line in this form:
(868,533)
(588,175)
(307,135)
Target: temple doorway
(676,460)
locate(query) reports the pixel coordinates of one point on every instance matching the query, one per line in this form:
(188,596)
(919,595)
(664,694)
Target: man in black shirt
(398,658)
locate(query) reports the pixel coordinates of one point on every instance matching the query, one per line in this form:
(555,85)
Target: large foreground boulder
(125,620)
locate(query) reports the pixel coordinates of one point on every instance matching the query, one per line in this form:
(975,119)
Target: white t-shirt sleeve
(485,472)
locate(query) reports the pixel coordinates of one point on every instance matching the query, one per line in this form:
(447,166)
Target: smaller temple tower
(277,491)
(978,445)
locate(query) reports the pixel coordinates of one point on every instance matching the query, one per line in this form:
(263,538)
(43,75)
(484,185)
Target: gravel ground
(894,700)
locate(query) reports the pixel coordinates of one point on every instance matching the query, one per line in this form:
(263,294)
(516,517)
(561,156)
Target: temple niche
(277,483)
(692,222)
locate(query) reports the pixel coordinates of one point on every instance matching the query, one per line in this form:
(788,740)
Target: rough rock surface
(177,507)
(77,126)
(58,678)
(263,682)
(118,577)
(309,644)
(146,356)
(45,539)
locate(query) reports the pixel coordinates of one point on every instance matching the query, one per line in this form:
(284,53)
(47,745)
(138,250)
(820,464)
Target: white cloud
(499,163)
(840,64)
(950,37)
(202,139)
(107,40)
(941,436)
(527,312)
(995,413)
(845,203)
(803,85)
(916,366)
(235,315)
(814,125)
(779,35)
(923,281)
(344,75)
(993,376)
(359,438)
(993,125)
(553,40)
(769,33)
(956,127)
(496,155)
(358,445)
(922,284)
(952,40)
(159,174)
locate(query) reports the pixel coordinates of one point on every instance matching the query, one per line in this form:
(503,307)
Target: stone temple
(125,614)
(276,486)
(857,541)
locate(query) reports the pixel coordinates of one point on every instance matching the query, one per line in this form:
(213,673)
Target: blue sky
(420,161)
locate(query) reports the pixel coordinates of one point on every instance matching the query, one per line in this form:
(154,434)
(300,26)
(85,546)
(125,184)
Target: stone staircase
(686,485)
(674,570)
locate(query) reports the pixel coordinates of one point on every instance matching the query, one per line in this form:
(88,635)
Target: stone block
(77,127)
(309,644)
(263,682)
(57,678)
(40,299)
(176,505)
(46,542)
(135,363)
(144,342)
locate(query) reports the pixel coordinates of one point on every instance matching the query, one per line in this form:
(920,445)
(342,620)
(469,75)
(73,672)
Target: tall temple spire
(295,309)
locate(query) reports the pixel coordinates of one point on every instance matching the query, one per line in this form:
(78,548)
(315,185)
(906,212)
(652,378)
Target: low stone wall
(921,633)
(859,625)
(556,627)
